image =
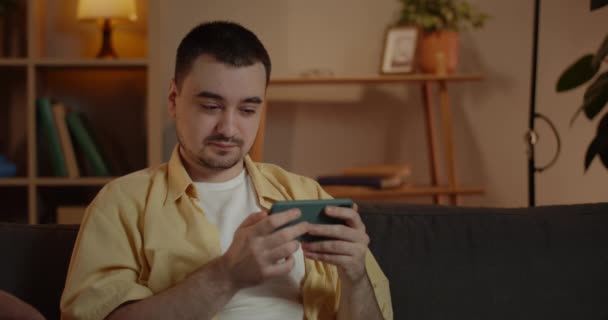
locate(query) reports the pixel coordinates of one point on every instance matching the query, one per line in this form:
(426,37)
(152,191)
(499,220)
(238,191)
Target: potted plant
(594,100)
(440,22)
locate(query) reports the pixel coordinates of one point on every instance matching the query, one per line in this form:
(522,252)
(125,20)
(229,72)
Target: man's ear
(173,93)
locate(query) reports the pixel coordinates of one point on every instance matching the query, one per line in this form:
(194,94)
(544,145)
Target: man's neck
(199,173)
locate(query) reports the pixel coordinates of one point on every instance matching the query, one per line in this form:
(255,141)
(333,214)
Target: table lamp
(107,11)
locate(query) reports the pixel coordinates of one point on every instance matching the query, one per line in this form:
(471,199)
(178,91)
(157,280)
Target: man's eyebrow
(255,100)
(215,96)
(210,95)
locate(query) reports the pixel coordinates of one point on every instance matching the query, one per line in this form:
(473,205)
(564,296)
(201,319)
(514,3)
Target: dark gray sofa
(443,262)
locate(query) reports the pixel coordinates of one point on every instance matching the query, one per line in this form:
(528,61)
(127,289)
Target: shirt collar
(180,183)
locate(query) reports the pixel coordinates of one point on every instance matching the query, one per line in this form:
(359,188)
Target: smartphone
(313,211)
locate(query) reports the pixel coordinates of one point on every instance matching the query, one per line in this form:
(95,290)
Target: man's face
(217,111)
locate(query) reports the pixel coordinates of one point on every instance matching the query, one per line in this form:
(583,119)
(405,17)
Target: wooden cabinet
(58,61)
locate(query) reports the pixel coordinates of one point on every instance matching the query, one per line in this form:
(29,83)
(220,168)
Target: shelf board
(376,79)
(14,181)
(50,62)
(13,62)
(83,181)
(405,191)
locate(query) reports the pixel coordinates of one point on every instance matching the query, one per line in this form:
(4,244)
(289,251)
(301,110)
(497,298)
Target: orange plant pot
(439,50)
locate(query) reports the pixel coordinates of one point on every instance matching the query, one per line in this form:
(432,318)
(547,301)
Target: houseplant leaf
(604,157)
(601,54)
(599,145)
(578,73)
(596,96)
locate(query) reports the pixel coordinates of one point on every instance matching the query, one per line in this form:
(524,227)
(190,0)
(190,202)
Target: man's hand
(258,252)
(347,247)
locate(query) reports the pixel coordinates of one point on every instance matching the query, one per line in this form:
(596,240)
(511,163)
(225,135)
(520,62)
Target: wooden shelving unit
(426,82)
(376,79)
(113,95)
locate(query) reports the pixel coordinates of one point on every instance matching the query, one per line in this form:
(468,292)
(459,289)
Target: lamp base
(107,50)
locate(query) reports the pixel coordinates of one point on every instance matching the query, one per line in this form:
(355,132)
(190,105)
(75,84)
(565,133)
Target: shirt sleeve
(107,259)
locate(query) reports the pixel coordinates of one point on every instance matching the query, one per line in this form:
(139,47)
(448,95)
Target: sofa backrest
(34,263)
(478,263)
(442,262)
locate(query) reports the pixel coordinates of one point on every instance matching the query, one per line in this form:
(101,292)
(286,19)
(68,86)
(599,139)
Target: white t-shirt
(227,204)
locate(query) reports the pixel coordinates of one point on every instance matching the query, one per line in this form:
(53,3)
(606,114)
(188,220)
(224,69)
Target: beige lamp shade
(106,9)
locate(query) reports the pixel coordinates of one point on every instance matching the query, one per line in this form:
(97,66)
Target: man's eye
(248,111)
(209,107)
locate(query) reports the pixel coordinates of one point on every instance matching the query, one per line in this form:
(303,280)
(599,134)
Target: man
(181,242)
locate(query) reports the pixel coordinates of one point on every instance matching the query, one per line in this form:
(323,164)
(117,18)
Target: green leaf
(592,151)
(576,74)
(599,145)
(596,96)
(604,157)
(601,54)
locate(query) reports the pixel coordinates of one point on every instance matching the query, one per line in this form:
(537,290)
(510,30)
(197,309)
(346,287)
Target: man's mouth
(223,145)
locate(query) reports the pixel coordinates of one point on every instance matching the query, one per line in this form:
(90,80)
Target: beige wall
(317,130)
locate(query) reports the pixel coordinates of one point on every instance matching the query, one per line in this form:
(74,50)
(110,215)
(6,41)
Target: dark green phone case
(312,212)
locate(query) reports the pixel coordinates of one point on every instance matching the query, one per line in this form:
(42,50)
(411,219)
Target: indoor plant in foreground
(440,22)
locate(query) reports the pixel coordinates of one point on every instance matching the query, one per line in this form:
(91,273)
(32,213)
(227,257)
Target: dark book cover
(378,182)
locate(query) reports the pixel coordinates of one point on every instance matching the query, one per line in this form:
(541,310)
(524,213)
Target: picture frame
(400,50)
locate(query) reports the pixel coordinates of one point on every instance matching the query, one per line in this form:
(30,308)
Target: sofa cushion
(478,263)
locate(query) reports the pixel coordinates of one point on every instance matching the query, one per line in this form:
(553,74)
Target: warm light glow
(112,9)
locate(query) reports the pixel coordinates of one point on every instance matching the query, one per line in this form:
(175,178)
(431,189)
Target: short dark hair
(228,42)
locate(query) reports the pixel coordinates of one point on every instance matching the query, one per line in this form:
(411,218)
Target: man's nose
(227,124)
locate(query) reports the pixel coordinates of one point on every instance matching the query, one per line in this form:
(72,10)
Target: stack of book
(385,176)
(67,141)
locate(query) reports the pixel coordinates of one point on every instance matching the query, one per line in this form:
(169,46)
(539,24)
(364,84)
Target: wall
(317,130)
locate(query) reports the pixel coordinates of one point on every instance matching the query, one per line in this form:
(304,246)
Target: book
(59,113)
(85,142)
(383,170)
(377,182)
(48,131)
(70,214)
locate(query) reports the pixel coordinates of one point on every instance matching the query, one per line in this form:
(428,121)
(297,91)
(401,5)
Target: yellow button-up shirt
(144,232)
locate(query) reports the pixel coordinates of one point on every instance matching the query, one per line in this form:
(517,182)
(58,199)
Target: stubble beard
(220,160)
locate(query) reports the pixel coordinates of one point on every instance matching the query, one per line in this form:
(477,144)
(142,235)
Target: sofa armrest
(12,307)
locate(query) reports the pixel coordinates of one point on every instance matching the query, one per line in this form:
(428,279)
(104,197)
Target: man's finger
(253,219)
(285,235)
(332,247)
(279,269)
(338,231)
(282,252)
(349,215)
(276,220)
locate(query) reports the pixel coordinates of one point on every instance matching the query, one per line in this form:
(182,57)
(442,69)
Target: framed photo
(399,54)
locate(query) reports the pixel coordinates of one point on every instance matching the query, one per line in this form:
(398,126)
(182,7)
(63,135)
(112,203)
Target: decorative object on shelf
(108,11)
(594,99)
(7,168)
(440,22)
(399,53)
